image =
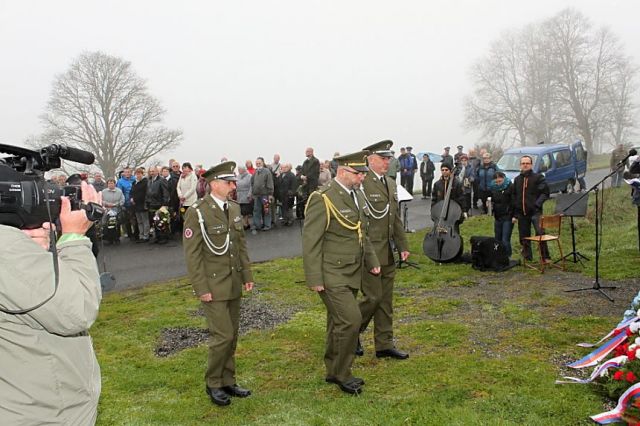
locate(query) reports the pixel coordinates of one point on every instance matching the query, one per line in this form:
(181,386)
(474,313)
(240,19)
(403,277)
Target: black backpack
(488,254)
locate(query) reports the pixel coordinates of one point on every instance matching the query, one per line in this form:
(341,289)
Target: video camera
(27,200)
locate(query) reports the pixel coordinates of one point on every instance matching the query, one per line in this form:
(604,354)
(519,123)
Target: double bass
(443,243)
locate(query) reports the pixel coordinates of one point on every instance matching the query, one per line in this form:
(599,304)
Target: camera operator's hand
(40,236)
(76,222)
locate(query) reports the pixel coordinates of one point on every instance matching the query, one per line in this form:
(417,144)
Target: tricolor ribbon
(616,362)
(615,415)
(618,330)
(594,357)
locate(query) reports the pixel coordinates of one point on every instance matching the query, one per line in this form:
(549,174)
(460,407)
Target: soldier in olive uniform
(336,253)
(385,232)
(218,267)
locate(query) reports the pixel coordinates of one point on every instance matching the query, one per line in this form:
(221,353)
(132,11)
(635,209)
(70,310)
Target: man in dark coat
(530,191)
(447,158)
(458,156)
(484,175)
(157,197)
(441,186)
(427,170)
(310,172)
(286,187)
(138,196)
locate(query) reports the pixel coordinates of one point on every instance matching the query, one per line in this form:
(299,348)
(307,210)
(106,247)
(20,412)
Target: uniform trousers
(377,304)
(223,320)
(343,325)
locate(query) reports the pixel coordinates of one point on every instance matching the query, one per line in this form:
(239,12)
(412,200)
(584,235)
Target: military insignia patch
(188,233)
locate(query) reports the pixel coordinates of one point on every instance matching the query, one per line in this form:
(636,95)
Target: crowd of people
(150,203)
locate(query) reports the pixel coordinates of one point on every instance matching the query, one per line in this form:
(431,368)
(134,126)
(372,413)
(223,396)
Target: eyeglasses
(355,172)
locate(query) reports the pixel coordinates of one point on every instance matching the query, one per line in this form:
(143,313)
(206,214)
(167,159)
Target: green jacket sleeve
(399,237)
(370,258)
(193,245)
(247,275)
(315,223)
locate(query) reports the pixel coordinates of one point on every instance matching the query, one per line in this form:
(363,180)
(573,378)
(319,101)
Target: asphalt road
(135,265)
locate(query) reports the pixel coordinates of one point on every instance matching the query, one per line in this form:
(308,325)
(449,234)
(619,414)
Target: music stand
(572,205)
(596,189)
(402,263)
(404,197)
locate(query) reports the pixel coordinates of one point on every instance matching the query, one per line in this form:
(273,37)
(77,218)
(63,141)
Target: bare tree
(500,105)
(583,60)
(618,97)
(553,81)
(102,106)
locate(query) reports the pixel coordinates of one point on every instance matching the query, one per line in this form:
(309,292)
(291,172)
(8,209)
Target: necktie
(353,197)
(225,207)
(384,181)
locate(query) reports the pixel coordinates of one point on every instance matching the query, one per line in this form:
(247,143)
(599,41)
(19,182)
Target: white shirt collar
(218,201)
(343,187)
(377,175)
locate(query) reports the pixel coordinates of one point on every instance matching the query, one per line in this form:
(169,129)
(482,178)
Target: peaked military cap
(382,148)
(356,160)
(222,171)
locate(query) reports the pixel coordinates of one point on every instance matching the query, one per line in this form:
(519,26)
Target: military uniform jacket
(332,254)
(385,225)
(220,265)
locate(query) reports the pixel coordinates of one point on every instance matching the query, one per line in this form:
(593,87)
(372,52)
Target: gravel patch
(254,315)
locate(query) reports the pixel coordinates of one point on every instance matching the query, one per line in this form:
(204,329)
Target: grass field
(485,347)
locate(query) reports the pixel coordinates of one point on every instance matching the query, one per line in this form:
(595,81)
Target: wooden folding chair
(548,223)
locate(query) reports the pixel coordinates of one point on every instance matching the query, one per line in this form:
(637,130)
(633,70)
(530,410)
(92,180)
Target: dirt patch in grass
(496,305)
(254,315)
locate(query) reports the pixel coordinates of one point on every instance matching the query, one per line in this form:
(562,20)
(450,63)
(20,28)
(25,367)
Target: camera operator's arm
(29,279)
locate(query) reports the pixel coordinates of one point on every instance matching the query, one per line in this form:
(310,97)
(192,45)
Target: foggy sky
(249,78)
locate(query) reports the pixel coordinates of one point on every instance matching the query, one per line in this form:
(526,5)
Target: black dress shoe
(331,379)
(392,353)
(350,386)
(218,396)
(235,390)
(359,348)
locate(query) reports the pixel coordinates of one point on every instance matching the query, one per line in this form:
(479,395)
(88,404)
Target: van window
(563,158)
(545,163)
(580,153)
(511,162)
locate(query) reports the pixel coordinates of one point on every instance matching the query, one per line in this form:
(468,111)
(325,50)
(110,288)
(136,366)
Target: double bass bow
(443,243)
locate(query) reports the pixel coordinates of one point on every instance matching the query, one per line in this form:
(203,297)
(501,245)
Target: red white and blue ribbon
(615,415)
(594,357)
(616,362)
(618,330)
